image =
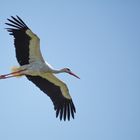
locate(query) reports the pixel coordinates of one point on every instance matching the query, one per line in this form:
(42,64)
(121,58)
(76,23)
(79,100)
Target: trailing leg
(16,72)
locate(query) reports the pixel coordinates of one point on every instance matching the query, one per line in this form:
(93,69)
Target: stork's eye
(68,69)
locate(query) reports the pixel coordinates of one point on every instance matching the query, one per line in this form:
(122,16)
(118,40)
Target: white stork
(33,66)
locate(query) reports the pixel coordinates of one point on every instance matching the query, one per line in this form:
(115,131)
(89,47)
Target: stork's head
(67,70)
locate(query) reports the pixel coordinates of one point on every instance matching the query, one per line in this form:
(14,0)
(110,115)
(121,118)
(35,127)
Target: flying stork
(33,66)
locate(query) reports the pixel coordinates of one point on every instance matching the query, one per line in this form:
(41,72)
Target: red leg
(10,75)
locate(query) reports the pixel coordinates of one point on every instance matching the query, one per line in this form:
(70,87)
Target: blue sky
(99,41)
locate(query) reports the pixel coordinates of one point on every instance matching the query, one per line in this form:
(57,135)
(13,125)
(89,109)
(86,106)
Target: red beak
(71,73)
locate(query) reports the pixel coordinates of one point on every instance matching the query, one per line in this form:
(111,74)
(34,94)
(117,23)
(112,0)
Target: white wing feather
(34,47)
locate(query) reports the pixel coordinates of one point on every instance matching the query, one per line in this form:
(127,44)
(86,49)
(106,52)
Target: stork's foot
(2,77)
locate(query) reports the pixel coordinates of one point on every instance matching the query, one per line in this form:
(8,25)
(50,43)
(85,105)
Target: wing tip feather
(16,23)
(66,110)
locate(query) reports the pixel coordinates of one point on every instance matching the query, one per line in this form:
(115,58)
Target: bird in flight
(34,67)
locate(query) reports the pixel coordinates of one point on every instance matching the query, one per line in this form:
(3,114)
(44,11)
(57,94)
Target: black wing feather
(62,105)
(16,23)
(21,39)
(22,22)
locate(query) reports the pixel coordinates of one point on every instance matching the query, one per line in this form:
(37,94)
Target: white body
(36,68)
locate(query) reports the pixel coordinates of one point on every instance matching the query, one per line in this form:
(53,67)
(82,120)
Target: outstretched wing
(27,44)
(58,92)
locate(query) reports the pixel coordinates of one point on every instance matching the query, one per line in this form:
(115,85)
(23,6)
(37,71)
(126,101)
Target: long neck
(57,71)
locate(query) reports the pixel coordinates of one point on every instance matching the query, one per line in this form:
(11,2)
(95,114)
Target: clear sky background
(100,41)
